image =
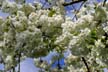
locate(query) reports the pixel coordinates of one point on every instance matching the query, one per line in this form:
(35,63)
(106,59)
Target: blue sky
(28,64)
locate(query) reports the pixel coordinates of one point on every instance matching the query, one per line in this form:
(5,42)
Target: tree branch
(83,59)
(75,13)
(59,67)
(79,8)
(104,2)
(73,2)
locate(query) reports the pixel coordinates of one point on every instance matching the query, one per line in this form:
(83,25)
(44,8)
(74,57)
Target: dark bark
(59,66)
(19,60)
(73,2)
(83,59)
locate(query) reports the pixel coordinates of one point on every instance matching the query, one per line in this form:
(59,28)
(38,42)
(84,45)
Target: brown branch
(83,59)
(73,2)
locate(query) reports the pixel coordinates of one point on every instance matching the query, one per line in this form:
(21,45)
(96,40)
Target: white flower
(105,29)
(20,13)
(19,27)
(33,16)
(100,14)
(71,58)
(31,6)
(73,41)
(64,38)
(58,20)
(68,18)
(10,7)
(99,44)
(27,8)
(55,8)
(1,44)
(68,26)
(85,32)
(43,19)
(99,62)
(36,61)
(37,4)
(51,20)
(8,59)
(88,18)
(60,39)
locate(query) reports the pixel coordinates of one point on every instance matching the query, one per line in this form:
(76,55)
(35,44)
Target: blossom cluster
(30,31)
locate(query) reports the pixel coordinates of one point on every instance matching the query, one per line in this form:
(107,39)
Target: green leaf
(51,13)
(94,34)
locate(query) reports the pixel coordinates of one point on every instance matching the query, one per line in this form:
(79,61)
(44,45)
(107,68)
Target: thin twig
(79,9)
(83,59)
(73,2)
(19,60)
(75,13)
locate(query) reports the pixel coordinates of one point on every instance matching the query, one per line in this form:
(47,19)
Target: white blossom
(100,14)
(85,32)
(99,44)
(58,20)
(64,38)
(10,7)
(74,40)
(33,16)
(20,13)
(89,18)
(105,29)
(68,26)
(37,4)
(8,59)
(43,19)
(30,28)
